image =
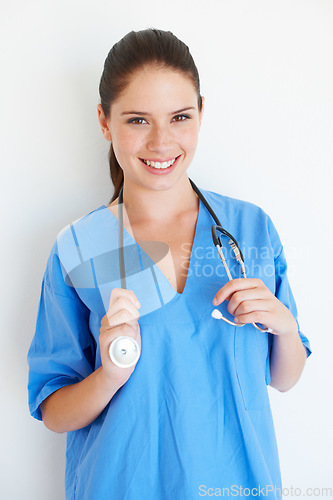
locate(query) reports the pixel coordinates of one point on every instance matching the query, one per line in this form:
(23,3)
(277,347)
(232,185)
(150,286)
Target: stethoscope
(125,351)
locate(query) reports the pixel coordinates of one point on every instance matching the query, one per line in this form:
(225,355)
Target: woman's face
(155,123)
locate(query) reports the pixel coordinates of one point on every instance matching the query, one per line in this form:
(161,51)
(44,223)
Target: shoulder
(245,220)
(77,242)
(85,233)
(233,206)
(85,222)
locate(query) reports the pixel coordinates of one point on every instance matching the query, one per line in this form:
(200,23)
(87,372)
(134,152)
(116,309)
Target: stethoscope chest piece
(124,351)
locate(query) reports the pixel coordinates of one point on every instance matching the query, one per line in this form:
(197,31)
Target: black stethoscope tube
(121,240)
(216,239)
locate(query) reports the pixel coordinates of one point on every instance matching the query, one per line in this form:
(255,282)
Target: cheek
(189,139)
(127,142)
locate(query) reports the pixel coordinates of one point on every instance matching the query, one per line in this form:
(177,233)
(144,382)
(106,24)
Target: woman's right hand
(121,319)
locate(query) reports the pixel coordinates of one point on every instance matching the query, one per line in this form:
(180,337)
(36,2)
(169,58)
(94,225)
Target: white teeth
(157,164)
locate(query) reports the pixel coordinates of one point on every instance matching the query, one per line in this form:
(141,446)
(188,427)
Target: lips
(159,164)
(160,167)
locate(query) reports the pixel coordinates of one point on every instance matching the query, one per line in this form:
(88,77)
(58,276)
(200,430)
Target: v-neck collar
(130,239)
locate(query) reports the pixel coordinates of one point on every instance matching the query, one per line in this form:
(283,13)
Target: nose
(160,139)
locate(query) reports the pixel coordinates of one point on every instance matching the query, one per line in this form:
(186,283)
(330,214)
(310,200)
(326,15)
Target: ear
(103,123)
(202,109)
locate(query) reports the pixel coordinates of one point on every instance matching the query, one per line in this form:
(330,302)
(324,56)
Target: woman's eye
(140,121)
(136,121)
(181,118)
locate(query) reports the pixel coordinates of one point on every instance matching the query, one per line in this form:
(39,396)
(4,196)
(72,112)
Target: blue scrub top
(194,418)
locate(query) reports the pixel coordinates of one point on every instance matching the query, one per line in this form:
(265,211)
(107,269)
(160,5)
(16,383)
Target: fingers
(121,320)
(263,317)
(123,308)
(122,311)
(250,301)
(249,306)
(245,301)
(112,372)
(125,330)
(128,294)
(233,286)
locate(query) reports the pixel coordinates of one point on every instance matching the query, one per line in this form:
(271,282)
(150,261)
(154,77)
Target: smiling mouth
(158,164)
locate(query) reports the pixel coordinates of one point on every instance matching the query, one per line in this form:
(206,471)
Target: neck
(155,206)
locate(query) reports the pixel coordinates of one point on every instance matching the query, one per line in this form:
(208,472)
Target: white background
(266,74)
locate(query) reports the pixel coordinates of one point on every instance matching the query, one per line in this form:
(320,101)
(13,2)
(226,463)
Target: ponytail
(116,173)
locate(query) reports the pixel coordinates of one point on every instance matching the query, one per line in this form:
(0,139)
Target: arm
(287,360)
(77,405)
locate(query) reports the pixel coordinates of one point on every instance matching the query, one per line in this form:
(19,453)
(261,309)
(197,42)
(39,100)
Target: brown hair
(134,50)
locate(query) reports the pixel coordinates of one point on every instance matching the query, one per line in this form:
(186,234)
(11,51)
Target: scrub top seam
(77,300)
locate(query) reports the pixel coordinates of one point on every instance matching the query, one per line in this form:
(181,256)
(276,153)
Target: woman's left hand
(251,301)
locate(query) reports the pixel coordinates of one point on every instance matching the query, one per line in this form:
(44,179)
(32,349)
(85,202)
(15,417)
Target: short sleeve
(282,287)
(62,349)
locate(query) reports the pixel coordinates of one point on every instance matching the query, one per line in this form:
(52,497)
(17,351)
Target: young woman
(191,417)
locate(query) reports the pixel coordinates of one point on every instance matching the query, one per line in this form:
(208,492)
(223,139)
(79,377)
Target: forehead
(151,86)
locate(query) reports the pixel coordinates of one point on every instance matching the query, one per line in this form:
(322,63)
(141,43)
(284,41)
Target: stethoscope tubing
(216,239)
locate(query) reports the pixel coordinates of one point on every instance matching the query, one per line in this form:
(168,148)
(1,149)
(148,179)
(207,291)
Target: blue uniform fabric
(195,414)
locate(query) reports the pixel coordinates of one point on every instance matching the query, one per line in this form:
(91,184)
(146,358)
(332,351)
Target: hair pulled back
(133,51)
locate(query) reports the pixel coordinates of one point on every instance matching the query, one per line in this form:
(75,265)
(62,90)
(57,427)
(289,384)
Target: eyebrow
(148,114)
